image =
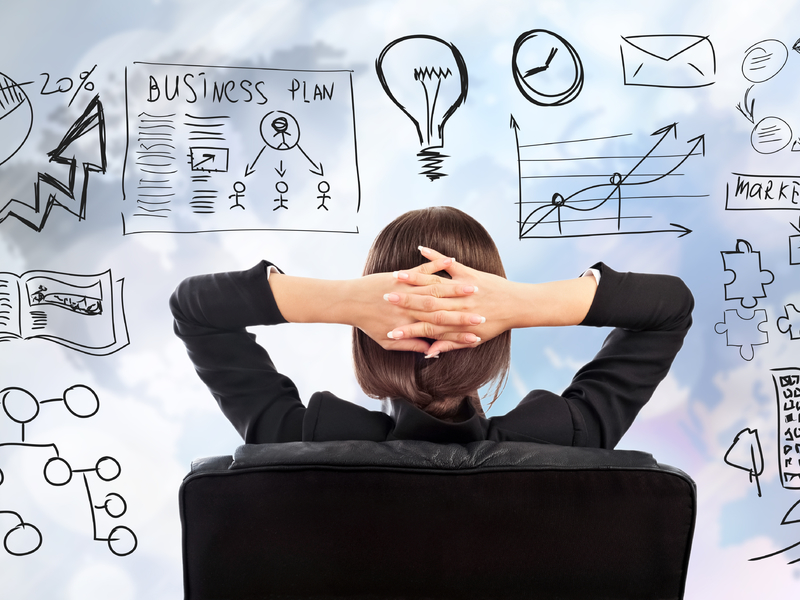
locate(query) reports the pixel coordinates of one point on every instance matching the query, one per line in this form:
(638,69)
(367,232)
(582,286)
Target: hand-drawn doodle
(743,332)
(199,136)
(427,79)
(603,207)
(763,192)
(81,401)
(788,519)
(749,279)
(790,322)
(794,245)
(764,60)
(69,191)
(668,61)
(745,453)
(547,70)
(82,312)
(787,394)
(16,117)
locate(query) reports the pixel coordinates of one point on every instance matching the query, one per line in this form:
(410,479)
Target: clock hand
(536,70)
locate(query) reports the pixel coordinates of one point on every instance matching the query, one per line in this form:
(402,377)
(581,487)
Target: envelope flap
(664,47)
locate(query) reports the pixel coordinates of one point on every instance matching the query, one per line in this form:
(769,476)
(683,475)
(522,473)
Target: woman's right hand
(440,304)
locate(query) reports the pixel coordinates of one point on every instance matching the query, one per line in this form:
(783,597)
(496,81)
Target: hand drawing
(68,192)
(427,79)
(743,332)
(16,117)
(205,128)
(668,61)
(82,312)
(745,453)
(604,207)
(762,62)
(81,401)
(787,395)
(547,69)
(749,279)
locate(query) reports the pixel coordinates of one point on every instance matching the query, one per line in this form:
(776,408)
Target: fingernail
(400,275)
(476,320)
(392,297)
(395,335)
(472,338)
(448,261)
(424,250)
(432,355)
(470,289)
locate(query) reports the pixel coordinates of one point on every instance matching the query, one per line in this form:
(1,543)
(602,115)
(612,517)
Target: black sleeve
(211,315)
(651,315)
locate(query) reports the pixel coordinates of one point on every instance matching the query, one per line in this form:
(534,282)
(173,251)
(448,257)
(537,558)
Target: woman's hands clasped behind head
(456,313)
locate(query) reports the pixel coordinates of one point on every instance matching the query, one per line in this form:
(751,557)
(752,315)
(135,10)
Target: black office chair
(407,519)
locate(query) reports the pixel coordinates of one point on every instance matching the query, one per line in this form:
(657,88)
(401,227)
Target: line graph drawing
(579,188)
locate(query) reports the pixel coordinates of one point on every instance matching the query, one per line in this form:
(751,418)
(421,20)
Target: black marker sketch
(787,394)
(81,401)
(68,192)
(764,60)
(16,117)
(749,279)
(668,61)
(547,69)
(427,79)
(745,453)
(788,519)
(794,245)
(602,199)
(763,192)
(206,129)
(790,322)
(743,332)
(82,312)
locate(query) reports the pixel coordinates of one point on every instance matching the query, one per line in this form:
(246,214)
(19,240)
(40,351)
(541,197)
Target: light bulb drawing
(426,78)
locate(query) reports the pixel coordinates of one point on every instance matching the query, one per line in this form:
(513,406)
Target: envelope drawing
(668,61)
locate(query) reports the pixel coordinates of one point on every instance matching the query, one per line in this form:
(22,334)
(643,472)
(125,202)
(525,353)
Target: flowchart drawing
(580,188)
(743,332)
(218,148)
(748,278)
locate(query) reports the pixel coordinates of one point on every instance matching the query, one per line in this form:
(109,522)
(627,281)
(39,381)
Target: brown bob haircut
(437,386)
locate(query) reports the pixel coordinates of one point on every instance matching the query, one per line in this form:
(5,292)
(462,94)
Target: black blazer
(651,315)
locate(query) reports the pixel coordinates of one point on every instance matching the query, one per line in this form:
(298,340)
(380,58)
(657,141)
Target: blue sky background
(155,416)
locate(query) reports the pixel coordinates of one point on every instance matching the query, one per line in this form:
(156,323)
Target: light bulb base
(432,161)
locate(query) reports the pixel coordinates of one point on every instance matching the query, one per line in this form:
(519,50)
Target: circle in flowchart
(280,130)
(770,135)
(22,540)
(115,505)
(122,541)
(57,471)
(108,469)
(16,117)
(764,60)
(20,405)
(81,401)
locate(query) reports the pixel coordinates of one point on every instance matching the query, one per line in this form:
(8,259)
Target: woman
(429,330)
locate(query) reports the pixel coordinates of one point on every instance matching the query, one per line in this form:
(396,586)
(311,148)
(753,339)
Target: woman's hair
(437,386)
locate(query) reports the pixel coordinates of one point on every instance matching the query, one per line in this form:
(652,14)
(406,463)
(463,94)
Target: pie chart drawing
(547,69)
(16,117)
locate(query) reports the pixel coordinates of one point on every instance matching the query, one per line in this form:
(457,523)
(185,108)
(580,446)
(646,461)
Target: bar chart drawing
(604,185)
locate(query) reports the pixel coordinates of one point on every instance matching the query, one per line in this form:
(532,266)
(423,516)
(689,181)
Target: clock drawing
(547,69)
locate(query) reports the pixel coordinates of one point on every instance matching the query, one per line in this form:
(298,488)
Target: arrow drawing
(602,203)
(69,195)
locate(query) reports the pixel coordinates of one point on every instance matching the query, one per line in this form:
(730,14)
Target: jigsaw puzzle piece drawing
(749,278)
(791,322)
(742,332)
